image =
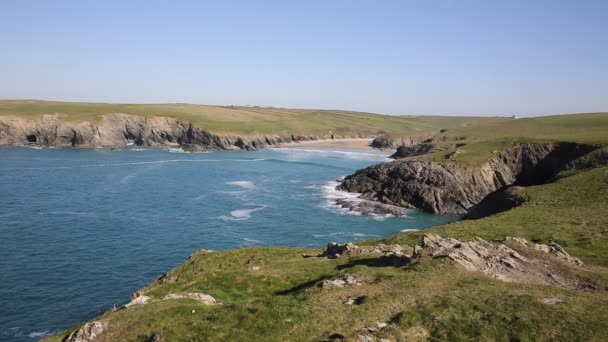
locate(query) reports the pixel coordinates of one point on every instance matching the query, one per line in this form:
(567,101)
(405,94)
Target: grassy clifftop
(252,120)
(475,143)
(429,299)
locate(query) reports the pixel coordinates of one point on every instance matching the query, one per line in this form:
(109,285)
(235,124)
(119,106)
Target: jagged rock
(192,148)
(341,282)
(138,300)
(499,261)
(88,333)
(382,248)
(417,251)
(168,278)
(335,250)
(382,143)
(552,248)
(453,188)
(412,151)
(370,208)
(200,297)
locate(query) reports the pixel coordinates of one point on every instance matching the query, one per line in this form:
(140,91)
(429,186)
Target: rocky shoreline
(456,188)
(118,129)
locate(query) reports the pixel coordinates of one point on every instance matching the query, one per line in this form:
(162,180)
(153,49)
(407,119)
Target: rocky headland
(455,188)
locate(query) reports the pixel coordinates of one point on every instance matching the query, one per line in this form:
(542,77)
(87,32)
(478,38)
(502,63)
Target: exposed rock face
(412,151)
(88,333)
(200,297)
(192,148)
(385,143)
(497,202)
(121,129)
(452,187)
(382,143)
(138,300)
(499,261)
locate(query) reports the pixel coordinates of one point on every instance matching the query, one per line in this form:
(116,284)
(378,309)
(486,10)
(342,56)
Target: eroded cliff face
(454,188)
(120,129)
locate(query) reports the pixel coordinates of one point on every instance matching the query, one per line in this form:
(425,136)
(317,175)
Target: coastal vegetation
(250,120)
(395,292)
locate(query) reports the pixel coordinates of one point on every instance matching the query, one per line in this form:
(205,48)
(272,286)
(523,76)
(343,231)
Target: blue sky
(396,57)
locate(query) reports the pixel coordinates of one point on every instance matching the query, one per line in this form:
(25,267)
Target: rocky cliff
(454,188)
(120,129)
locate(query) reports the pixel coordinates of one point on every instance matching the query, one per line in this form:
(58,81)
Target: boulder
(192,148)
(88,333)
(335,250)
(412,151)
(382,143)
(138,299)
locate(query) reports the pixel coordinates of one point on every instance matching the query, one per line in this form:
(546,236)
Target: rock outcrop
(382,143)
(120,129)
(199,297)
(452,187)
(499,261)
(88,333)
(370,208)
(412,151)
(385,143)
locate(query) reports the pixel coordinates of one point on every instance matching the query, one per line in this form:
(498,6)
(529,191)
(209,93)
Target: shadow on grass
(383,261)
(303,286)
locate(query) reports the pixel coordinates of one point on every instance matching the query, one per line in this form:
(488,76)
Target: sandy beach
(348,143)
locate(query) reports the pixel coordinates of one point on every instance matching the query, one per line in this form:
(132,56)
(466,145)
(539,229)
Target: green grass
(434,299)
(483,139)
(252,120)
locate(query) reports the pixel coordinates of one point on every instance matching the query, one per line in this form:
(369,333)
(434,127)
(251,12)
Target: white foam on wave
(240,214)
(243,184)
(251,242)
(344,234)
(39,334)
(409,230)
(200,197)
(167,161)
(179,150)
(127,178)
(331,195)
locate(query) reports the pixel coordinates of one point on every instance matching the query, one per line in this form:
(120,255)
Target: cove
(84,228)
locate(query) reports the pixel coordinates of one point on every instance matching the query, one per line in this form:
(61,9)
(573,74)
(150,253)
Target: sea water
(81,229)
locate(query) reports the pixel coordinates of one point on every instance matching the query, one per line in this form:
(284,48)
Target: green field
(253,120)
(480,141)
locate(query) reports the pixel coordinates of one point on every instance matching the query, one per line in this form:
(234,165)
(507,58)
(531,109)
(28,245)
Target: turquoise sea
(82,229)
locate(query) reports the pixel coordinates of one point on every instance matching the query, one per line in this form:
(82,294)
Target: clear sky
(450,57)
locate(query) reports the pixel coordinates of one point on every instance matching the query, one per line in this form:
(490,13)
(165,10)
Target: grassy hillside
(476,143)
(252,120)
(432,299)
